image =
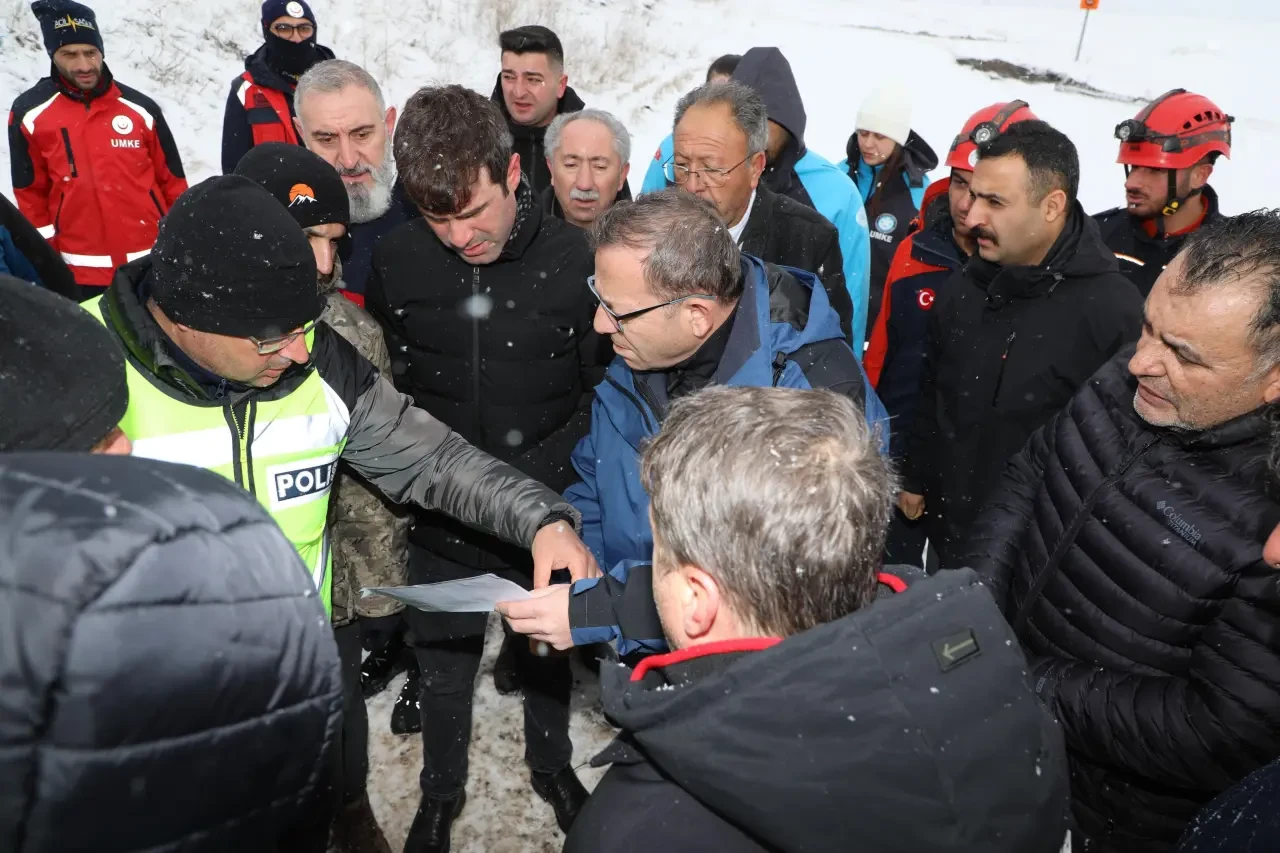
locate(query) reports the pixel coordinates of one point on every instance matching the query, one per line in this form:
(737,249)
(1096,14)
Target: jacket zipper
(648,425)
(71,157)
(1068,537)
(646,393)
(156,202)
(1004,360)
(240,456)
(475,346)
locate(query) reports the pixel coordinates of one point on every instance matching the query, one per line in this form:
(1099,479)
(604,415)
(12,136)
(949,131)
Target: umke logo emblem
(301,194)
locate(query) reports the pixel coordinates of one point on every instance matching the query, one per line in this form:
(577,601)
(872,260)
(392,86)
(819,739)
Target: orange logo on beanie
(300,194)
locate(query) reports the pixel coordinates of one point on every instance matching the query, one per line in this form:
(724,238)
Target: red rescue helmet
(983,126)
(1175,131)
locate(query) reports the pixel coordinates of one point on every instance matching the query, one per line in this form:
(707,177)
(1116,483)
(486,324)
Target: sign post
(1088,6)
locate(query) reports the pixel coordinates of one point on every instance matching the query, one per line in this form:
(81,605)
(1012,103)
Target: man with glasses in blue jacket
(684,309)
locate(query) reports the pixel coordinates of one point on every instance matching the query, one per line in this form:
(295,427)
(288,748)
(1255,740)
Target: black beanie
(230,260)
(275,9)
(299,179)
(61,375)
(64,22)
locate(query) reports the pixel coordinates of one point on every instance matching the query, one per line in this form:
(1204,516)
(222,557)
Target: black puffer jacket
(1008,346)
(1129,558)
(504,353)
(170,679)
(1143,257)
(905,727)
(785,232)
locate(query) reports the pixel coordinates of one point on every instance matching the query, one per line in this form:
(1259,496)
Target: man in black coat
(170,679)
(1168,151)
(488,318)
(721,132)
(1015,332)
(1125,545)
(532,89)
(797,712)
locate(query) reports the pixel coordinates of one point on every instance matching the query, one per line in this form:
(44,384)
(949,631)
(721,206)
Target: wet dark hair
(725,65)
(445,136)
(1233,250)
(532,39)
(1051,158)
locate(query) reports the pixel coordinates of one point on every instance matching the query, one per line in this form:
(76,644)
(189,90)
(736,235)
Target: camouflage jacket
(370,534)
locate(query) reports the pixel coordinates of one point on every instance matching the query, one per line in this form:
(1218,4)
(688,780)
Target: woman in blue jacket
(889,163)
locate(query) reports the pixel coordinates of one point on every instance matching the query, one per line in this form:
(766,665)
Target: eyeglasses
(619,319)
(274,345)
(287,30)
(680,175)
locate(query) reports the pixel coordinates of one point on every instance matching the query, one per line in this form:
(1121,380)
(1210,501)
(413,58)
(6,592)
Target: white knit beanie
(887,111)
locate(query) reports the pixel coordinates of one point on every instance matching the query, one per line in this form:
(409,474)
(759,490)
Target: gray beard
(369,203)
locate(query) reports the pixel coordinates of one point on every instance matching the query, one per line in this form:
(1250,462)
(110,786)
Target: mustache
(362,169)
(978,231)
(584,195)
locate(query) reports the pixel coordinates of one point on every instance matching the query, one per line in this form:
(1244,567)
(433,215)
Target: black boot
(432,824)
(356,830)
(505,679)
(383,664)
(564,792)
(406,716)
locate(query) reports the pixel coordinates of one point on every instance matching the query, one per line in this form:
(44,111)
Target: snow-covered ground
(502,814)
(635,57)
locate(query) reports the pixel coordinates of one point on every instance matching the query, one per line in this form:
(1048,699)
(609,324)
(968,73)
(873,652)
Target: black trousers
(448,647)
(353,752)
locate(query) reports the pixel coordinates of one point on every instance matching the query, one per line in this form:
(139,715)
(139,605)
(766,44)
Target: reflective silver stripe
(133,256)
(47,231)
(29,120)
(146,116)
(204,448)
(281,436)
(103,261)
(243,94)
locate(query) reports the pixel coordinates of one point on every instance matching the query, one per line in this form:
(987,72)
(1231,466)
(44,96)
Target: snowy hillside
(635,57)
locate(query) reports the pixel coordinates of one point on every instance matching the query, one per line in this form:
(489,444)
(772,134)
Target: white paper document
(465,595)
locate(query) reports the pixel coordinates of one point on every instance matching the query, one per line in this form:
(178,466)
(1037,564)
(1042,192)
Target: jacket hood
(162,638)
(569,103)
(767,71)
(1077,253)
(885,726)
(919,158)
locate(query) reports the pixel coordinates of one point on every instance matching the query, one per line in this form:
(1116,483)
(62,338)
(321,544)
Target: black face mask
(291,57)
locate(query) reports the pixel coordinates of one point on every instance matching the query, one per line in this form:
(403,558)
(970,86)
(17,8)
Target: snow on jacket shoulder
(785,334)
(1152,627)
(171,680)
(94,178)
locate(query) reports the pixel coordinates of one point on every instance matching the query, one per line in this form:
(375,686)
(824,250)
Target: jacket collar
(569,103)
(105,84)
(528,222)
(1078,252)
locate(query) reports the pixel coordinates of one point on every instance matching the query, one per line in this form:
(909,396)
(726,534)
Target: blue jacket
(764,349)
(13,262)
(835,197)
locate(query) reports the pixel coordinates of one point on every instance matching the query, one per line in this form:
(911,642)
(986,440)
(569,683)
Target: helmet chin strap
(1175,202)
